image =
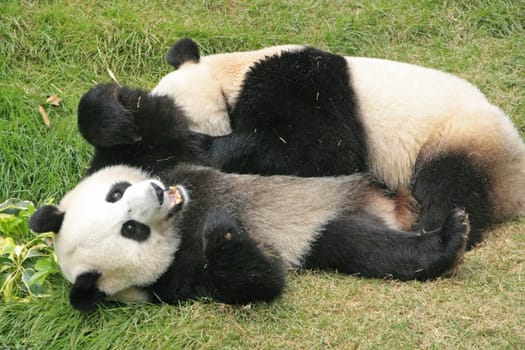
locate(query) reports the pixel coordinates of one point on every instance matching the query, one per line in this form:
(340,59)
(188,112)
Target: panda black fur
(120,234)
(301,111)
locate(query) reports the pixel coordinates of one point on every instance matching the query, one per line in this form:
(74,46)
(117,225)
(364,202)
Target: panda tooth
(175,196)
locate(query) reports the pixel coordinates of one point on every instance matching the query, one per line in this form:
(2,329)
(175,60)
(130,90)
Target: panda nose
(159,192)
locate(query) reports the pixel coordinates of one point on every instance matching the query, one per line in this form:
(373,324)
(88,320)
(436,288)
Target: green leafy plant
(26,259)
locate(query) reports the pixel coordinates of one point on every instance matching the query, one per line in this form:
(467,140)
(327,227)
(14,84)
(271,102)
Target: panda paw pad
(220,232)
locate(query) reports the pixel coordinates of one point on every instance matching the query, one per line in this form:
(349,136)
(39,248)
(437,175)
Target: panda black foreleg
(451,181)
(103,120)
(249,153)
(361,244)
(241,270)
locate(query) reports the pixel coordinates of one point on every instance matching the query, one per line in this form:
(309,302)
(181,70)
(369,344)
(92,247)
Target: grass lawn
(64,47)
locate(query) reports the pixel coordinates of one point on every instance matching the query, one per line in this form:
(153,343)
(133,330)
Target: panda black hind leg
(241,270)
(362,244)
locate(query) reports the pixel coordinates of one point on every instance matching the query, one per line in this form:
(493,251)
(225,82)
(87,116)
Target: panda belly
(289,213)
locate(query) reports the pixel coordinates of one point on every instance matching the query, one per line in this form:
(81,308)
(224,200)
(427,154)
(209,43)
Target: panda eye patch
(117,191)
(135,230)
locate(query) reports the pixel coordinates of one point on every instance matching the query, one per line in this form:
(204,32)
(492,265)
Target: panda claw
(456,228)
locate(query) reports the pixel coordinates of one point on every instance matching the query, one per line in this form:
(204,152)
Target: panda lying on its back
(301,111)
(122,234)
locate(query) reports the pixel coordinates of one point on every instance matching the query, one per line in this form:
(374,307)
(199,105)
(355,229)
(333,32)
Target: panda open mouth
(174,196)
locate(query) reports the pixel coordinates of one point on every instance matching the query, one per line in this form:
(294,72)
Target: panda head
(115,231)
(196,87)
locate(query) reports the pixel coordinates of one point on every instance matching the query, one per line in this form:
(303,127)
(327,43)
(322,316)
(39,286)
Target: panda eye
(135,230)
(115,196)
(117,191)
(128,229)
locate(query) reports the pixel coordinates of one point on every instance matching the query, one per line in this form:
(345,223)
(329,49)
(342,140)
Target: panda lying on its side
(301,111)
(123,234)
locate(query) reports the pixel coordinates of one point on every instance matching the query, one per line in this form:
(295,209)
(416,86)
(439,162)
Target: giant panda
(301,111)
(191,231)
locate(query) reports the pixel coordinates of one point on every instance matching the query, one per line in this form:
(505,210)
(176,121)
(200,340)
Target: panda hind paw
(456,228)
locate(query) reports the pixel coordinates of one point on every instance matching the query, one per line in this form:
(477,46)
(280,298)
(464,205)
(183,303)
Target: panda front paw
(220,232)
(106,115)
(241,270)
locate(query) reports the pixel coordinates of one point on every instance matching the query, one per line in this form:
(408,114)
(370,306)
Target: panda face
(120,224)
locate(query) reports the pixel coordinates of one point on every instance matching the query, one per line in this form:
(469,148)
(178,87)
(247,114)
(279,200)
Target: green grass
(64,47)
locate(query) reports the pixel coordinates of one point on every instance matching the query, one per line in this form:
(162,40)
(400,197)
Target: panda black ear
(84,295)
(182,51)
(46,219)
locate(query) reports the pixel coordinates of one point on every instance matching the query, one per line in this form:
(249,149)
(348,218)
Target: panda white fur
(122,234)
(301,111)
